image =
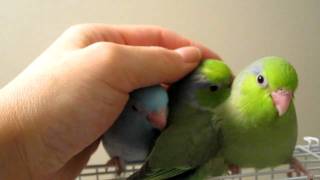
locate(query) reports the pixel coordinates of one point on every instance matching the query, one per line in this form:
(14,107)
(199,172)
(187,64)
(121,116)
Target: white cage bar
(308,155)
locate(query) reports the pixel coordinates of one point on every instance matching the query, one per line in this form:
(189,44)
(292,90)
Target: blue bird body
(133,134)
(130,137)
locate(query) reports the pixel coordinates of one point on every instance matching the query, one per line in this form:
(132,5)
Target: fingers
(155,36)
(130,67)
(80,36)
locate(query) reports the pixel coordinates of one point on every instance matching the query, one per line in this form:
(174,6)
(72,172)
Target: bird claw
(116,162)
(234,169)
(298,168)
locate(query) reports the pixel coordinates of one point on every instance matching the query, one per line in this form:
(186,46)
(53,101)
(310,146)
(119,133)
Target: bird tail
(140,174)
(213,167)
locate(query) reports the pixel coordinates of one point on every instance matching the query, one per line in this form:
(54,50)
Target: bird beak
(158,119)
(281,99)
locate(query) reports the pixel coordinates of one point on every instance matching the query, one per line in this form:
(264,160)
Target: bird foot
(298,168)
(233,169)
(117,163)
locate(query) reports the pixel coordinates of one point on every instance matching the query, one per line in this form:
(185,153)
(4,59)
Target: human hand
(54,112)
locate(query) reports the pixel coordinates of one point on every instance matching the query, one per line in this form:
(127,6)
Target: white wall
(240,31)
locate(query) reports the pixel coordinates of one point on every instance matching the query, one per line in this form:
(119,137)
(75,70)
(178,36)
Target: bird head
(266,87)
(152,103)
(211,84)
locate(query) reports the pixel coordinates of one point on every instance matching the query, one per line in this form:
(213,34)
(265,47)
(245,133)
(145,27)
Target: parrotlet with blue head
(133,134)
(214,126)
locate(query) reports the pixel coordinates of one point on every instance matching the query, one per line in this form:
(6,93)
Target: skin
(54,112)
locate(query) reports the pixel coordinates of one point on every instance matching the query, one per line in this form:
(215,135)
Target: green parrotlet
(216,124)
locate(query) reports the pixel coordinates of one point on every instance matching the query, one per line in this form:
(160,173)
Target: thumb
(140,66)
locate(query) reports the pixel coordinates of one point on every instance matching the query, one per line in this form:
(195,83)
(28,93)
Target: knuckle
(77,29)
(157,27)
(107,49)
(160,51)
(109,53)
(169,61)
(168,56)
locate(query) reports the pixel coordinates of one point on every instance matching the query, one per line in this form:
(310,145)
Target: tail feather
(145,173)
(140,174)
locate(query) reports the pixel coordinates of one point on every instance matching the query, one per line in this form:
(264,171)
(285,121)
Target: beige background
(240,31)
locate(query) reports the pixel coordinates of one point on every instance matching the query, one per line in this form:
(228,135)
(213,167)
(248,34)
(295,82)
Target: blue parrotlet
(133,134)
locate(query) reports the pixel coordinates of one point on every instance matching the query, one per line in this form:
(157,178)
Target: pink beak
(158,119)
(281,99)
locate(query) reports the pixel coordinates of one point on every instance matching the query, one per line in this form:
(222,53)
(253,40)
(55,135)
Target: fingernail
(189,54)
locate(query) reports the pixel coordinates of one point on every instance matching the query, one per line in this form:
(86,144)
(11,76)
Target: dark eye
(213,88)
(262,81)
(134,108)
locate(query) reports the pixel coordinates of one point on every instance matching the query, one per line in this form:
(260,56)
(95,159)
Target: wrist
(13,161)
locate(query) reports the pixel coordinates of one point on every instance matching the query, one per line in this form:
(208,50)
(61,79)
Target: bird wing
(184,145)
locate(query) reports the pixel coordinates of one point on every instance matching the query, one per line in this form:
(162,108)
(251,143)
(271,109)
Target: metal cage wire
(308,155)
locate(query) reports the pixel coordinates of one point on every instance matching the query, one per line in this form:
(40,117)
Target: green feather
(216,71)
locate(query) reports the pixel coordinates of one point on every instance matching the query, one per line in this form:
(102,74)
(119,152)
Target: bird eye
(134,108)
(262,81)
(213,88)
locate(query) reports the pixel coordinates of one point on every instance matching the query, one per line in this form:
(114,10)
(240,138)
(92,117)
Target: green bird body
(254,135)
(211,125)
